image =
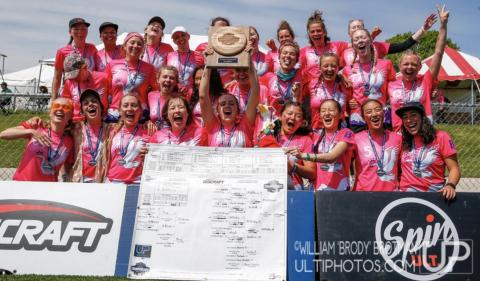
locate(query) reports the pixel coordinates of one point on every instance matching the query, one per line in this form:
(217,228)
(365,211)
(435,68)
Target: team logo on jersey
(36,225)
(420,249)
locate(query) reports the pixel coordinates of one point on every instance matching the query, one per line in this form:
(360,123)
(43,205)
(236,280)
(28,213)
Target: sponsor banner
(397,236)
(301,236)
(60,228)
(211,214)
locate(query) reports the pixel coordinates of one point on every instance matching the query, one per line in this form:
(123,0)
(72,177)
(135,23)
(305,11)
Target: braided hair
(373,56)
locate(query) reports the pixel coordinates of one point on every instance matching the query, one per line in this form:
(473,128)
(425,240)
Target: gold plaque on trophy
(228,44)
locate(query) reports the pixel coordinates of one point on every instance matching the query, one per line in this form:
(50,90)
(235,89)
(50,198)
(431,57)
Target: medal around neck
(228,44)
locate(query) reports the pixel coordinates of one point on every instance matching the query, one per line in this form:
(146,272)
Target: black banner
(397,236)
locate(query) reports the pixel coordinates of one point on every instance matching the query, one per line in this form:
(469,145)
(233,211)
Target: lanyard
(131,81)
(123,150)
(114,54)
(324,89)
(179,136)
(51,157)
(154,55)
(237,92)
(417,161)
(230,138)
(366,84)
(324,140)
(379,160)
(183,70)
(410,92)
(288,93)
(159,111)
(316,52)
(93,152)
(79,90)
(288,141)
(76,50)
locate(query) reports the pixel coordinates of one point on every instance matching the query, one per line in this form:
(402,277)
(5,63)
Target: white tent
(28,79)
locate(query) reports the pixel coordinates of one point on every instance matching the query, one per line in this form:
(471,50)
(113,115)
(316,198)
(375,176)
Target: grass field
(467,140)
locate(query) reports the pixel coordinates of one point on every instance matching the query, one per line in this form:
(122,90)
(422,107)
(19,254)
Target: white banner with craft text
(60,228)
(211,214)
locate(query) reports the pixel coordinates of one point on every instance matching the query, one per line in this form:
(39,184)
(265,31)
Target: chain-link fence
(461,121)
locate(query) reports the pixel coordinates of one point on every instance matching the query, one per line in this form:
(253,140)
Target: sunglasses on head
(61,106)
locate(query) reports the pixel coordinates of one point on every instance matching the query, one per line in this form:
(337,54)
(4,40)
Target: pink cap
(131,35)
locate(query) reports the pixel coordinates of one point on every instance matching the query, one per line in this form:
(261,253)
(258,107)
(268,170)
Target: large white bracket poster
(211,214)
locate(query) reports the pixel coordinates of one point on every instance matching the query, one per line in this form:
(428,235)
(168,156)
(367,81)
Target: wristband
(307,157)
(315,159)
(451,184)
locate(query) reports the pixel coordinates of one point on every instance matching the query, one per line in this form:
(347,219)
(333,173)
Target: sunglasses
(60,106)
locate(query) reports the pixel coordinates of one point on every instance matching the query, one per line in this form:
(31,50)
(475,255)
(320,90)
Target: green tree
(424,48)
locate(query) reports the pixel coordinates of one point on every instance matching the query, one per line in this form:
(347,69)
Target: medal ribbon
(51,157)
(93,152)
(123,150)
(366,84)
(379,161)
(230,138)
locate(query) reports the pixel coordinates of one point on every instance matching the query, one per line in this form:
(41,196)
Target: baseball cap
(413,105)
(179,29)
(72,65)
(108,24)
(75,21)
(157,19)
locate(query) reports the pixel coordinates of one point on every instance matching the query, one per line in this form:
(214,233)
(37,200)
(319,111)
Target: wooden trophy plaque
(228,44)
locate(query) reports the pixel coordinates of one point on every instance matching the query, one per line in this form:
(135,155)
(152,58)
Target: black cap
(108,24)
(412,105)
(90,93)
(75,21)
(157,19)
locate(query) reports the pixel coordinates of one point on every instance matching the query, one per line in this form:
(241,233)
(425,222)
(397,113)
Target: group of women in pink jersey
(330,105)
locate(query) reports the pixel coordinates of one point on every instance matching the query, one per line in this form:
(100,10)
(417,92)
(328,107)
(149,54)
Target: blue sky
(32,30)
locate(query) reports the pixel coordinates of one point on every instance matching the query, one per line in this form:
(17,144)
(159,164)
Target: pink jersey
(104,58)
(336,175)
(272,61)
(400,92)
(91,146)
(310,57)
(197,111)
(190,136)
(127,168)
(382,73)
(279,91)
(155,103)
(319,91)
(185,64)
(381,50)
(423,168)
(201,47)
(157,55)
(89,53)
(72,90)
(304,144)
(139,78)
(366,163)
(40,163)
(260,63)
(242,94)
(239,135)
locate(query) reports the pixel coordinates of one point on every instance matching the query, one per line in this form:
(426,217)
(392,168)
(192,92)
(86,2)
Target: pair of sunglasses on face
(61,106)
